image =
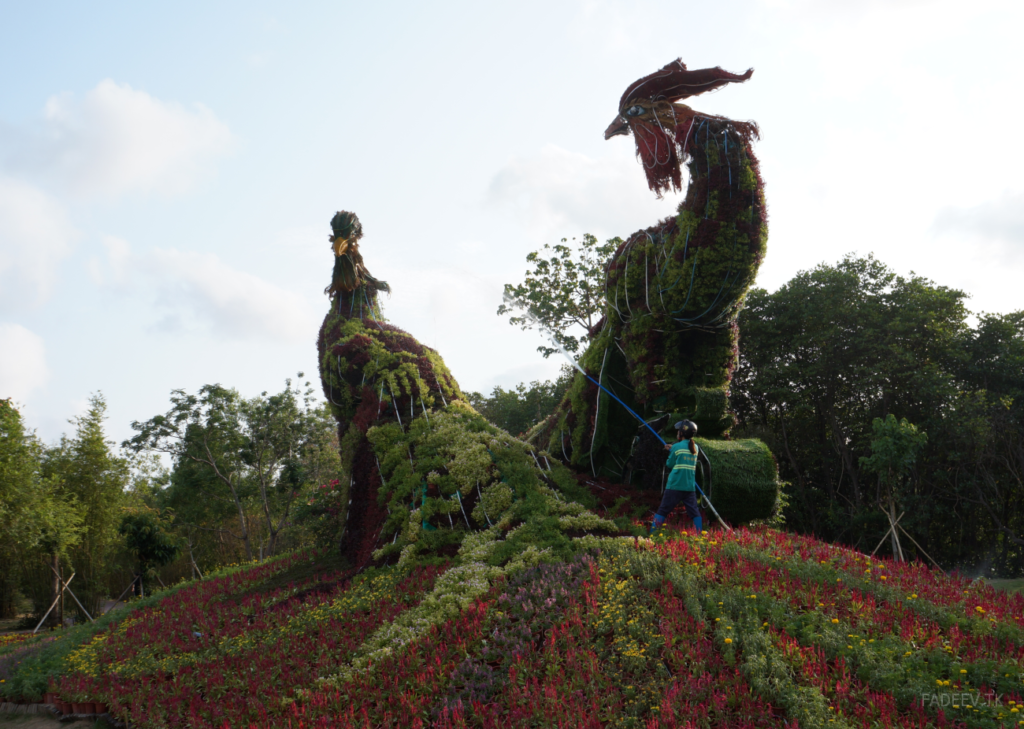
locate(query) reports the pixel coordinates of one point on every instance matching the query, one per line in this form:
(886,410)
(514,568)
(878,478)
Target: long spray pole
(536,322)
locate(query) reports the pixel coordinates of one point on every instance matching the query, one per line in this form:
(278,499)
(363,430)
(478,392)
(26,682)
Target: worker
(682,481)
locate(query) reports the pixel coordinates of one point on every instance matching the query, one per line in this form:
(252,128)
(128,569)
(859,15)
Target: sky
(168,173)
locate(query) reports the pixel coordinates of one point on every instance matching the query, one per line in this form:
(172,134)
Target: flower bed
(219,672)
(748,629)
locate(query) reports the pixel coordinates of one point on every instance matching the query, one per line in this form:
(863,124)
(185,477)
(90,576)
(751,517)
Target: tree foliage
(86,471)
(840,346)
(147,539)
(894,448)
(518,409)
(35,518)
(563,291)
(240,459)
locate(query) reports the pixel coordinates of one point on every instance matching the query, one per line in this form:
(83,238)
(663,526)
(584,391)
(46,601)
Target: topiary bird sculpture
(667,343)
(420,469)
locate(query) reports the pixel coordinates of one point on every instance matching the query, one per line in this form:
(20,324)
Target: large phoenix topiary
(667,344)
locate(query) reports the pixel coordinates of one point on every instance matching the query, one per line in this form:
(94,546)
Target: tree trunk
(811,511)
(897,550)
(844,452)
(212,462)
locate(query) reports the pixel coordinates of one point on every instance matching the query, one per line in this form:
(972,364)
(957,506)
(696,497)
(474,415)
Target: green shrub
(744,479)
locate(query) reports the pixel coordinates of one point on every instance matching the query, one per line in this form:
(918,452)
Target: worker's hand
(668,447)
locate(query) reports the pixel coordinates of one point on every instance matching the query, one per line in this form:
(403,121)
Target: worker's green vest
(682,467)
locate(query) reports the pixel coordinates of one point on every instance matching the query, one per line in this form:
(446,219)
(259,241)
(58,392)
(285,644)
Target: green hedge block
(744,479)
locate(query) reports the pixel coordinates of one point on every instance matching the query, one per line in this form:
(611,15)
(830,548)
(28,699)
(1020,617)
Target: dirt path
(30,721)
(45,721)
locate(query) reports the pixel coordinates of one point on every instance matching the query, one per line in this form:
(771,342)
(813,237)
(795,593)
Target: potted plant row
(75,706)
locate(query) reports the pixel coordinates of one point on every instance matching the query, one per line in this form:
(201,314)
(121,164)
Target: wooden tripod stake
(63,587)
(897,552)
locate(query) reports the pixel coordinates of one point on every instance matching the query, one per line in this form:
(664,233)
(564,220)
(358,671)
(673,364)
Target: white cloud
(565,194)
(22,362)
(1000,222)
(117,139)
(118,260)
(232,303)
(35,235)
(191,290)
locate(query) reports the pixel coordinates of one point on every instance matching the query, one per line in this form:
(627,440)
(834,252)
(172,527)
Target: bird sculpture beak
(341,246)
(619,126)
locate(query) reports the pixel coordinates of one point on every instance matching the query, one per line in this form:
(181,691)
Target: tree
(22,502)
(519,409)
(894,449)
(87,472)
(991,428)
(204,431)
(286,448)
(147,541)
(238,454)
(562,292)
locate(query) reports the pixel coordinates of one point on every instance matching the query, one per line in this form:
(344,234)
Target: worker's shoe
(698,524)
(656,524)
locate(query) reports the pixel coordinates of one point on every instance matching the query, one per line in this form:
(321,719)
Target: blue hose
(662,440)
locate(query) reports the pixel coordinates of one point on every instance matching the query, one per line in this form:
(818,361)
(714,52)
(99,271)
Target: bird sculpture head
(347,231)
(660,126)
(349,270)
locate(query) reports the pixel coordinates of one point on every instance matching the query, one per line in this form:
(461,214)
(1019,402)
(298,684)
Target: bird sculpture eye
(635,110)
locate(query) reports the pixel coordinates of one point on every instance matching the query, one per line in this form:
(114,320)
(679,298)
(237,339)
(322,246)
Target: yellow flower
(835,621)
(728,640)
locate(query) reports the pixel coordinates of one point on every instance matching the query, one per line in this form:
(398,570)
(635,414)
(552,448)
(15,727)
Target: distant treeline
(241,486)
(840,346)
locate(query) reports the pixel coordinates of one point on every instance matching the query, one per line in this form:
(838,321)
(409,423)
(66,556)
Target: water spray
(543,328)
